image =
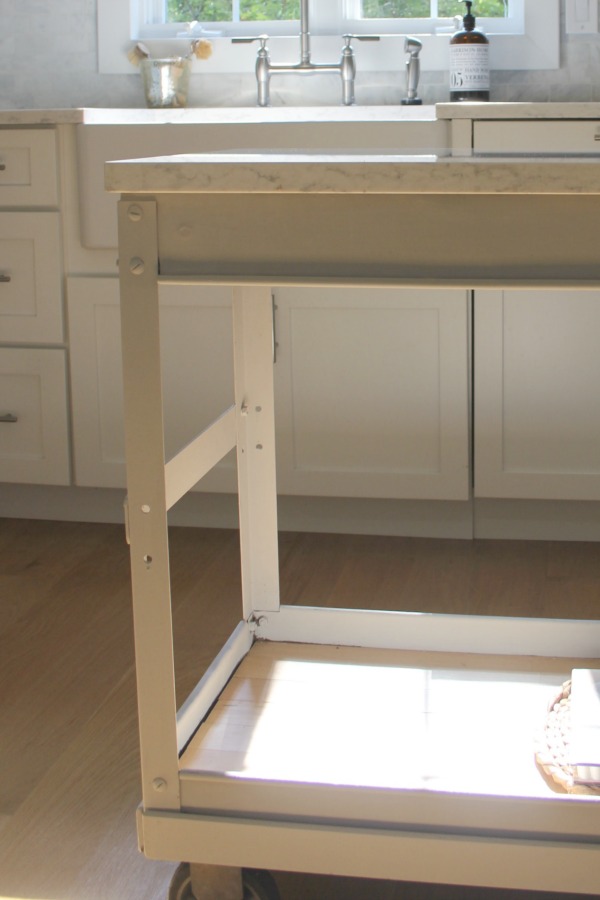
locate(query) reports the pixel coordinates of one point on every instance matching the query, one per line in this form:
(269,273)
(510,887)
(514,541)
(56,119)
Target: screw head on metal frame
(136,266)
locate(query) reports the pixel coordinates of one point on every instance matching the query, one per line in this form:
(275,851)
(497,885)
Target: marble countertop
(218,115)
(518,110)
(40,116)
(282,114)
(356,173)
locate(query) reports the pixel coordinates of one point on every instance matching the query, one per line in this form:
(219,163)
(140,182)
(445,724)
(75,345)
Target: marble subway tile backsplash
(59,69)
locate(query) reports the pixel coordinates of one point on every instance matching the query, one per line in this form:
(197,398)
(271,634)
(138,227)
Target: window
(525,32)
(231,10)
(427,16)
(284,10)
(282,16)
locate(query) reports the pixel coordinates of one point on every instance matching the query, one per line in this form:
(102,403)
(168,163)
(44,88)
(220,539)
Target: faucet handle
(263,38)
(348,38)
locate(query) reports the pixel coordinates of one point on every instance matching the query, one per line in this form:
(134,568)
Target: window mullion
(351,9)
(155,11)
(326,16)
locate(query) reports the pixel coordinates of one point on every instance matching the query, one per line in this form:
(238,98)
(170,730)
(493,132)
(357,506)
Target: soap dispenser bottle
(469,62)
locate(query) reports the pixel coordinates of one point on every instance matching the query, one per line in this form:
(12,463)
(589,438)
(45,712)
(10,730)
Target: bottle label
(469,67)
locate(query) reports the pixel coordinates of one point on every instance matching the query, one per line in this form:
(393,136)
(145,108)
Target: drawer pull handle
(2,167)
(4,279)
(8,417)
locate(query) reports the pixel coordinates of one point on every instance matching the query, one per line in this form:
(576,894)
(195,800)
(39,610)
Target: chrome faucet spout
(304,33)
(346,67)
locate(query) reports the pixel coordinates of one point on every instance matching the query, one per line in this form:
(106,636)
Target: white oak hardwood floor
(68,732)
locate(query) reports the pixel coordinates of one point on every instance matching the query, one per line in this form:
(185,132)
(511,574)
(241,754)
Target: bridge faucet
(265,68)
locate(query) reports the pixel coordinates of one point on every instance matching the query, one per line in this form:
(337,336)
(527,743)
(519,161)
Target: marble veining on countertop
(40,116)
(357,173)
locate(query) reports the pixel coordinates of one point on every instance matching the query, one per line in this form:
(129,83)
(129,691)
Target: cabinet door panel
(537,394)
(34,443)
(30,278)
(197,375)
(28,171)
(372,393)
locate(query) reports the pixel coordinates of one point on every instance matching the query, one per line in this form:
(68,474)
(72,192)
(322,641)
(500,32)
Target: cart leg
(257,486)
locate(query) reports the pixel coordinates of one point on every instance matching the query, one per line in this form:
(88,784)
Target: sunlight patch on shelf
(378,726)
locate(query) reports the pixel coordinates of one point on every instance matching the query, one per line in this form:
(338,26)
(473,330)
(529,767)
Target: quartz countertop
(282,114)
(218,115)
(356,173)
(40,116)
(518,110)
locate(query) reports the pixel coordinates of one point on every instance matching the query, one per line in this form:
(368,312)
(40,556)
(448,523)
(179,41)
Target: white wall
(48,59)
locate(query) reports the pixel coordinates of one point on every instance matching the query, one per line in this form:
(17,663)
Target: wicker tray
(552,746)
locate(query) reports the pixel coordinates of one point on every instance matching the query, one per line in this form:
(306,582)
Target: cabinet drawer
(34,446)
(30,278)
(539,137)
(28,172)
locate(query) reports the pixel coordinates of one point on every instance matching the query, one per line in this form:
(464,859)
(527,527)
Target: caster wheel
(181,884)
(259,885)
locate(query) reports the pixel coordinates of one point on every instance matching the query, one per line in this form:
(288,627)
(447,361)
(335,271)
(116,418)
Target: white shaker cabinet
(371,387)
(34,446)
(30,277)
(372,391)
(537,394)
(34,429)
(197,375)
(28,166)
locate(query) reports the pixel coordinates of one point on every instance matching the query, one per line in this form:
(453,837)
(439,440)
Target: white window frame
(538,47)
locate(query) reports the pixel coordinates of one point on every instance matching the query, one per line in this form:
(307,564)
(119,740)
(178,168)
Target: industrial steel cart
(356,742)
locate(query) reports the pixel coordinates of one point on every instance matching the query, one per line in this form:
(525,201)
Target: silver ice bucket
(166,81)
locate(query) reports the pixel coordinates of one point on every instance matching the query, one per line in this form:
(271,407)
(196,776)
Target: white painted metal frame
(560,851)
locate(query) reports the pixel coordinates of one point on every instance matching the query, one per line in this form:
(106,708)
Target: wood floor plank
(80,818)
(79,815)
(60,662)
(33,557)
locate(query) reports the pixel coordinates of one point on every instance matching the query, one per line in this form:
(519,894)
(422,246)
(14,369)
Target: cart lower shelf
(392,737)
